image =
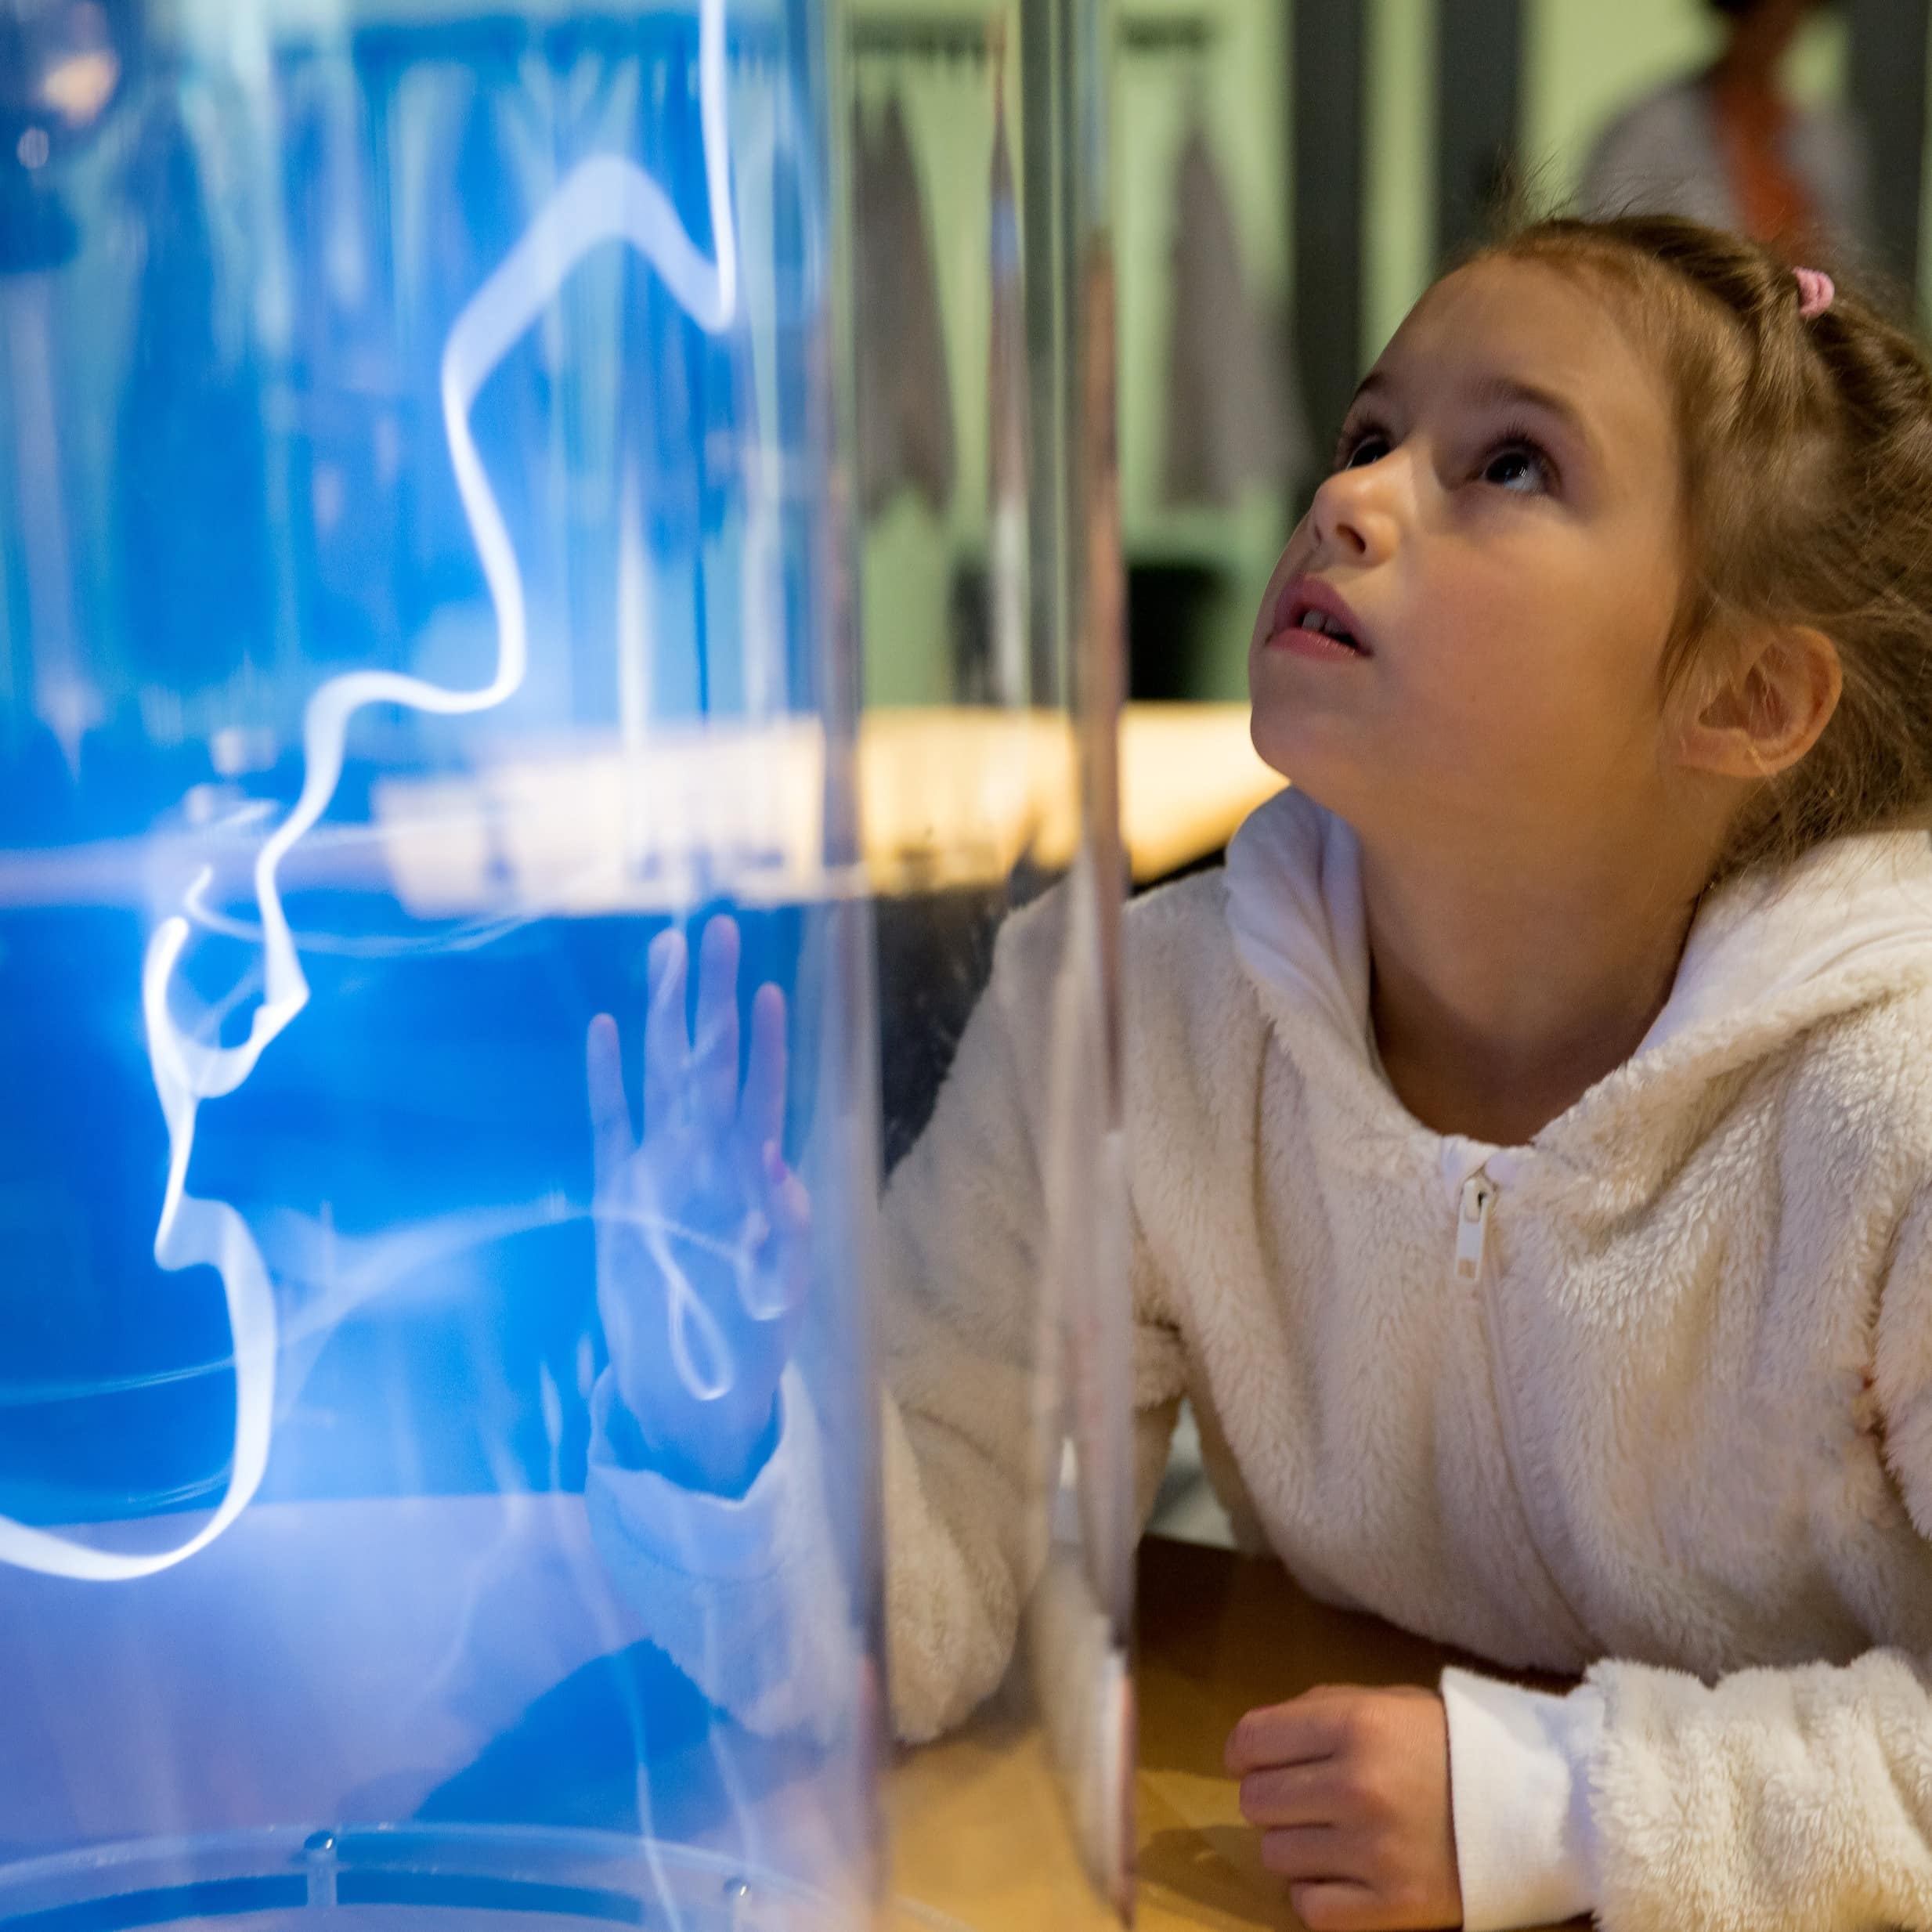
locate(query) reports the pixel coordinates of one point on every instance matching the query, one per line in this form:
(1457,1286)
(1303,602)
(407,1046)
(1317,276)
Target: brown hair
(1807,483)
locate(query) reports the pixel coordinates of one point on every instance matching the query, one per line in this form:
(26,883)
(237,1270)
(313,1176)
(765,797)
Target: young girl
(1530,1136)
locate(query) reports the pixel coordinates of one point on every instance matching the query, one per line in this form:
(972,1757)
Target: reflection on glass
(992,647)
(441,1457)
(415,553)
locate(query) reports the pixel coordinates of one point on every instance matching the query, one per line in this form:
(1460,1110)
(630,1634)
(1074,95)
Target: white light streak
(605,199)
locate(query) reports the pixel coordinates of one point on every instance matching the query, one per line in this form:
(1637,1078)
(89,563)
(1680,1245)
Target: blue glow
(413,601)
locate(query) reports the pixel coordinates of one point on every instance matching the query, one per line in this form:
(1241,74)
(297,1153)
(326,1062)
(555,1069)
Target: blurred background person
(1729,147)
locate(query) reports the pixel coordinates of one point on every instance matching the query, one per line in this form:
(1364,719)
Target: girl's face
(1500,539)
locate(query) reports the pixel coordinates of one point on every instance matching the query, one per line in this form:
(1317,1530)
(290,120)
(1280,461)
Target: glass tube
(990,584)
(545,968)
(421,685)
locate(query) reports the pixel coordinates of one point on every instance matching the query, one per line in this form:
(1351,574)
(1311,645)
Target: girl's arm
(748,1593)
(1782,1801)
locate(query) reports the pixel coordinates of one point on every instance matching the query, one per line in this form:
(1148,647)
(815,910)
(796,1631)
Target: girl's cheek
(1481,681)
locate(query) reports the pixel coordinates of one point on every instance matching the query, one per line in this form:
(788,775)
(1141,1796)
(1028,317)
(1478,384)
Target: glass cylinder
(509,892)
(419,572)
(991,596)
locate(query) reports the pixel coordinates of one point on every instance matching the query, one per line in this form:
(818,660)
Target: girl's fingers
(785,1285)
(1301,1732)
(1307,1852)
(788,1205)
(612,1139)
(1288,1794)
(777,1263)
(714,1055)
(797,1282)
(763,1110)
(666,1045)
(1338,1905)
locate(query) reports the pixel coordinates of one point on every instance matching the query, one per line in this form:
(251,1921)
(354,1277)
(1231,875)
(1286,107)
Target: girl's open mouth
(1312,620)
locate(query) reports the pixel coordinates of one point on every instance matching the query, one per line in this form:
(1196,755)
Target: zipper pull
(1473,1226)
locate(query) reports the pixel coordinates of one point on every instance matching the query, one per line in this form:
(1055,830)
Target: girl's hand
(703,1248)
(1350,1788)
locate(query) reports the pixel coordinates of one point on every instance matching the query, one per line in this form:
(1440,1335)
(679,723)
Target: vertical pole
(1479,77)
(1042,199)
(1327,69)
(1887,86)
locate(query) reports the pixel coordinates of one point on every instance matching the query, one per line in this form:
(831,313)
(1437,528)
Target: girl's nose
(1353,515)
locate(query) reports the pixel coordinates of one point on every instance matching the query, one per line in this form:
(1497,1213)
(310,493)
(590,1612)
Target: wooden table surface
(978,1818)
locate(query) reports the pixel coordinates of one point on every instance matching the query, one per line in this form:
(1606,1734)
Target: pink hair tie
(1815,290)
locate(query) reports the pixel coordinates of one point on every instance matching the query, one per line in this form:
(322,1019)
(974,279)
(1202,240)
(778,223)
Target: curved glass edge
(557,1875)
(1081,1621)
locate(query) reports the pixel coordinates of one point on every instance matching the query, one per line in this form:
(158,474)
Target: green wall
(1235,87)
(1582,60)
(909,554)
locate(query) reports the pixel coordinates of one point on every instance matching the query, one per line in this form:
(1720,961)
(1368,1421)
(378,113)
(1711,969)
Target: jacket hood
(1767,956)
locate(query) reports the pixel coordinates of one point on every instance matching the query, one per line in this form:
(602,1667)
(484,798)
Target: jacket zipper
(1472,1227)
(1475,1208)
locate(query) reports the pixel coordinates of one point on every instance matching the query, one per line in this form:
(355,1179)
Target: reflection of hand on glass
(703,1231)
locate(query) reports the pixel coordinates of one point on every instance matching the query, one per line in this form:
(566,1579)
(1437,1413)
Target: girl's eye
(1521,467)
(1371,447)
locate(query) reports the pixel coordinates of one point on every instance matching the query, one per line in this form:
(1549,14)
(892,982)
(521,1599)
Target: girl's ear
(1769,709)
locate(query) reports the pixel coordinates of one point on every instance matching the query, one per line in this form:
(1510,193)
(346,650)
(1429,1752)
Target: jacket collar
(1768,957)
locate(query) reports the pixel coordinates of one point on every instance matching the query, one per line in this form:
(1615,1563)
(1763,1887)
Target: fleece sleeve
(746,1594)
(1786,1801)
(974,1316)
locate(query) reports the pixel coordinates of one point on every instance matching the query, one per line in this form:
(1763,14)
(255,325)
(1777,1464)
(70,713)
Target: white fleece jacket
(1650,1397)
